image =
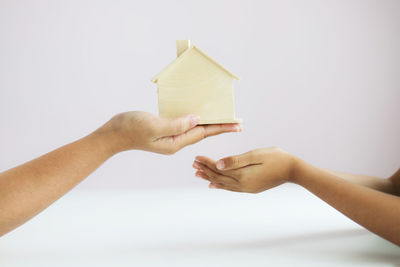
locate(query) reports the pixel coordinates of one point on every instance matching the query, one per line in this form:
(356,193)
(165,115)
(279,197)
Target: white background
(320,79)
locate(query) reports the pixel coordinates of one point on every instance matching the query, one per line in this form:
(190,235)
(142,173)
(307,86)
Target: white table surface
(286,226)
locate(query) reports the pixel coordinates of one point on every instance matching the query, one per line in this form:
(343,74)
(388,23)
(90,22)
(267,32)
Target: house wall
(196,85)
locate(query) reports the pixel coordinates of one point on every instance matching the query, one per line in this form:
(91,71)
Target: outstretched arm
(381,184)
(262,169)
(28,189)
(377,211)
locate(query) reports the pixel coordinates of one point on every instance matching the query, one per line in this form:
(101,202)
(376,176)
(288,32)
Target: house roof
(184,54)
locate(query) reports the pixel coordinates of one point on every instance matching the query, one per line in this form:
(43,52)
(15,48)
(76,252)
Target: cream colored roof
(178,59)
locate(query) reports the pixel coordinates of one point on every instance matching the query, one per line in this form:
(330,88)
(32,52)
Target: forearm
(28,189)
(376,211)
(381,184)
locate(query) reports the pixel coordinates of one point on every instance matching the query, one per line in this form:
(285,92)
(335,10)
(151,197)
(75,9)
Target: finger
(238,161)
(212,165)
(217,186)
(204,176)
(207,161)
(215,129)
(198,133)
(170,127)
(216,177)
(201,175)
(176,142)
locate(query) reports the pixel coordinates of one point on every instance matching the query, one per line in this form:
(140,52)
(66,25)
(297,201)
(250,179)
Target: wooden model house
(194,83)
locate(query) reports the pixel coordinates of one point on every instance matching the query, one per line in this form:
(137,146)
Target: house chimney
(182,46)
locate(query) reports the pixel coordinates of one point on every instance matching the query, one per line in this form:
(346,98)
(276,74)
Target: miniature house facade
(194,83)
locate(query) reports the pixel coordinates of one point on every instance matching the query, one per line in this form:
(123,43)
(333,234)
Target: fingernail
(195,165)
(212,186)
(220,164)
(194,120)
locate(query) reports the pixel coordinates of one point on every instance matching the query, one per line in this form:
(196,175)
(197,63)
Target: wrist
(115,136)
(298,170)
(107,140)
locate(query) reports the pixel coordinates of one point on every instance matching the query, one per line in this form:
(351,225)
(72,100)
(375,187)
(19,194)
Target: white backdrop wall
(320,79)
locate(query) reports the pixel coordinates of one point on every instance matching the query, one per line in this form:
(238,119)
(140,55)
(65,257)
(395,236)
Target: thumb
(236,162)
(179,125)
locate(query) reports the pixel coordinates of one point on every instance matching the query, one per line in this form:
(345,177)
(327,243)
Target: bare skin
(370,201)
(28,189)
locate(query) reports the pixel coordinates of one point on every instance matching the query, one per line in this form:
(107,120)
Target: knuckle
(180,126)
(233,161)
(204,133)
(211,175)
